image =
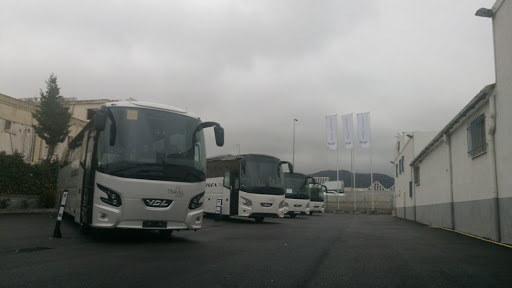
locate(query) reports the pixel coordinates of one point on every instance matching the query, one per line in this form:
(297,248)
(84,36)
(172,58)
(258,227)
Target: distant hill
(363,180)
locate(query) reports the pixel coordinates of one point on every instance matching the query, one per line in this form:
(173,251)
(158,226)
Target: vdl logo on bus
(159,203)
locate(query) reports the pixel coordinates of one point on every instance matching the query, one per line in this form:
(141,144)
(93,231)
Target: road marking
(473,236)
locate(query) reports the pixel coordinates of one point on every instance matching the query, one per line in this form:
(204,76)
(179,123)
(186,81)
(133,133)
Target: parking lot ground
(325,250)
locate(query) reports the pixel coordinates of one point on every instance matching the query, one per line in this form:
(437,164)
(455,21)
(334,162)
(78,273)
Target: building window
(417,175)
(476,137)
(403,160)
(7,125)
(398,146)
(400,166)
(396,170)
(410,189)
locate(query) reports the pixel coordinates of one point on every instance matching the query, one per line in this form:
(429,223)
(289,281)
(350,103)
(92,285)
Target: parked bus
(297,193)
(250,185)
(138,165)
(316,192)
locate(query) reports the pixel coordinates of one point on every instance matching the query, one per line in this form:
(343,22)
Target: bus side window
(74,151)
(226,180)
(83,152)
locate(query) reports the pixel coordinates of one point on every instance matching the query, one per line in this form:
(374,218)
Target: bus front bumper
(112,217)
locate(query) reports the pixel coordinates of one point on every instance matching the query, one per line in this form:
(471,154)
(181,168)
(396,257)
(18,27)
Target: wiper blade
(135,165)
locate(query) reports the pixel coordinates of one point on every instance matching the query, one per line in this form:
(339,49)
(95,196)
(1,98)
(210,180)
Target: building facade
(461,179)
(17,126)
(408,144)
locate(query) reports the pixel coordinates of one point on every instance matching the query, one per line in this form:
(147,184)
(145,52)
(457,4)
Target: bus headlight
(247,202)
(196,202)
(112,197)
(283,204)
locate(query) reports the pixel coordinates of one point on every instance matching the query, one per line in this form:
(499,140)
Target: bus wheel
(259,219)
(165,234)
(310,213)
(292,215)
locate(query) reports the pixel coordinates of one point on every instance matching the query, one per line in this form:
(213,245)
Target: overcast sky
(254,66)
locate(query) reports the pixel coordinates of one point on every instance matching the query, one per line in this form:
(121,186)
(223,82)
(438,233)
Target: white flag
(363,129)
(347,130)
(332,127)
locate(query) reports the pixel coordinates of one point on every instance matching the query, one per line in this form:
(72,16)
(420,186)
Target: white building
(17,131)
(408,145)
(461,179)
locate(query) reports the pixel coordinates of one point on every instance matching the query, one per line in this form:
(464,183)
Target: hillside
(362,179)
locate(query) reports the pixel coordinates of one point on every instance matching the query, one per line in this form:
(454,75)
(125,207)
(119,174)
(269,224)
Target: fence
(383,202)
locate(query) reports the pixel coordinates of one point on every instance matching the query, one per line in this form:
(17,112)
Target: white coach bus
(297,193)
(138,165)
(250,185)
(316,193)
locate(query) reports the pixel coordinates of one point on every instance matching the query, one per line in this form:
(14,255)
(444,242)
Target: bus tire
(292,215)
(259,219)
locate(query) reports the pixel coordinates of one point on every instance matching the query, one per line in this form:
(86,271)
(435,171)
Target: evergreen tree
(52,116)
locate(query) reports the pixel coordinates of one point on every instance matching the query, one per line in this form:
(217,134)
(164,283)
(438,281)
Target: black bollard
(56,231)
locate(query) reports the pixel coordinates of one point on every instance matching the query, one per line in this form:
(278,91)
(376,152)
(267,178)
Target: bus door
(88,183)
(235,186)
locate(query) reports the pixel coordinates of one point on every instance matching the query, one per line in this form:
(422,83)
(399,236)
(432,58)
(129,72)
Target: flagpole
(371,154)
(337,167)
(353,177)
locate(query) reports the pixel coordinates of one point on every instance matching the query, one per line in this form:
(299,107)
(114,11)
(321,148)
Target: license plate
(154,224)
(297,212)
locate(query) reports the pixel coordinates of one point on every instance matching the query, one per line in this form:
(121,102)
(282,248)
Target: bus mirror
(219,135)
(290,166)
(100,120)
(324,188)
(219,132)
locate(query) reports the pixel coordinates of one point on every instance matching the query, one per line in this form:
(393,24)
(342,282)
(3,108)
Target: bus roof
(149,105)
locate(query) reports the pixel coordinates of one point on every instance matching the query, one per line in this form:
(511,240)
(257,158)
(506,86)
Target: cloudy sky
(254,66)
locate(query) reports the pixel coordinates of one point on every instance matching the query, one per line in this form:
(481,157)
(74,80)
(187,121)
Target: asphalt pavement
(323,250)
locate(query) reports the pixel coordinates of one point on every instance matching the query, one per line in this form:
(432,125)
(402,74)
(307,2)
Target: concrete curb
(28,211)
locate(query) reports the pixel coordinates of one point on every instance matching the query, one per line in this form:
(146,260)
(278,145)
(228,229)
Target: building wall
(409,147)
(79,108)
(433,197)
(21,136)
(503,137)
(472,183)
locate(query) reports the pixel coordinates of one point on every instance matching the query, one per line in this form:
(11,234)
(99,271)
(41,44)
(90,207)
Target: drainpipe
(494,179)
(447,141)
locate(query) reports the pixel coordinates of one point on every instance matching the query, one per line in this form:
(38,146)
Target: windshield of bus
(262,175)
(315,190)
(295,186)
(152,144)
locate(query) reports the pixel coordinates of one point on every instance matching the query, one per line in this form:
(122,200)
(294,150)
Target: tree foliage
(53,117)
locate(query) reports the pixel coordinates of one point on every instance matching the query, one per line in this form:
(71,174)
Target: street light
(293,155)
(484,12)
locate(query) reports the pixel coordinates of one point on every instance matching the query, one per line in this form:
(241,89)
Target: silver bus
(138,165)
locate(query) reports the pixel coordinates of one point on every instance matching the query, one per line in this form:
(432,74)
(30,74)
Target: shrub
(20,178)
(4,203)
(48,198)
